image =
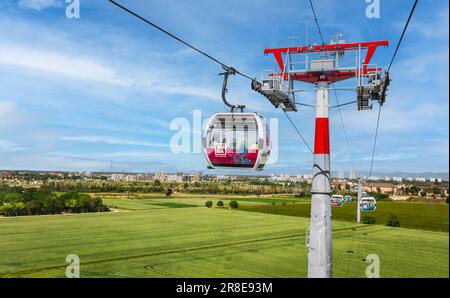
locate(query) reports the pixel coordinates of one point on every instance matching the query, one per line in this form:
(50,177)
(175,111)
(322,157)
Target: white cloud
(52,64)
(10,116)
(37,161)
(57,63)
(433,28)
(141,154)
(6,108)
(39,5)
(7,146)
(108,140)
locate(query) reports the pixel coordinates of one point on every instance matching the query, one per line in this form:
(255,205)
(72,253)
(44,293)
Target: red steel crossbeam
(335,75)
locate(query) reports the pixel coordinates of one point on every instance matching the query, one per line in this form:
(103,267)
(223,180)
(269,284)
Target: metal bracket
(228,71)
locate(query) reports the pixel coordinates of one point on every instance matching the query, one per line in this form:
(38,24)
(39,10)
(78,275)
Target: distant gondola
(337,200)
(368,204)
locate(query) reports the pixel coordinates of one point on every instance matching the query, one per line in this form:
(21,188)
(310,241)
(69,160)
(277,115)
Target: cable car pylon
(323,67)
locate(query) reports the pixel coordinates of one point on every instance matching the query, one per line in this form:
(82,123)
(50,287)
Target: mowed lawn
(149,202)
(202,242)
(415,215)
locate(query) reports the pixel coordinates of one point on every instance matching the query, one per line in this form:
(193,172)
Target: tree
(20,208)
(436,191)
(219,204)
(169,191)
(302,194)
(414,190)
(368,220)
(234,205)
(208,204)
(12,197)
(83,202)
(53,205)
(7,210)
(157,183)
(393,221)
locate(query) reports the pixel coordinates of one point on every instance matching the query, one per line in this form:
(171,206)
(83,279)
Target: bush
(169,191)
(380,196)
(234,205)
(219,204)
(393,221)
(301,195)
(368,220)
(7,210)
(208,204)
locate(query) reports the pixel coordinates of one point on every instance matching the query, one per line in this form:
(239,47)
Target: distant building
(439,180)
(387,178)
(161,176)
(353,175)
(117,177)
(397,179)
(341,174)
(282,177)
(196,178)
(174,178)
(382,186)
(131,177)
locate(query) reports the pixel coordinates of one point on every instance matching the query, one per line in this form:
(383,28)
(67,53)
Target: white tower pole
(358,203)
(320,248)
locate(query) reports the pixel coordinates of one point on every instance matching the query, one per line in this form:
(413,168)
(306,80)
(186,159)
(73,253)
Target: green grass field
(417,215)
(162,241)
(148,202)
(426,216)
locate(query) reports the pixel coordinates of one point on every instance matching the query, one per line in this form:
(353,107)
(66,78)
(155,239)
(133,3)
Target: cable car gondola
(236,139)
(348,199)
(337,200)
(368,204)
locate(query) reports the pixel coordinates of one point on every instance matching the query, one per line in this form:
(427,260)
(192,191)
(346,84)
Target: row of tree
(243,188)
(17,201)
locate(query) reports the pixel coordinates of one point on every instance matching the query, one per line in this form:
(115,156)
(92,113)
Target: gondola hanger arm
(229,71)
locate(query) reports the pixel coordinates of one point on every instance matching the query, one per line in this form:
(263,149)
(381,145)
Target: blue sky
(79,93)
